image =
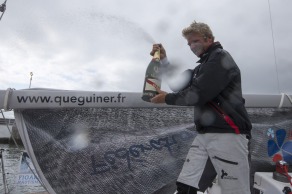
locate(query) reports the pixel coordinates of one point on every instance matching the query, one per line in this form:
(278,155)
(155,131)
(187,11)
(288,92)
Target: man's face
(198,44)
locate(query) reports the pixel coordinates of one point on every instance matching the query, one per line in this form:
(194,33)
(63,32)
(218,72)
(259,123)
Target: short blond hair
(199,28)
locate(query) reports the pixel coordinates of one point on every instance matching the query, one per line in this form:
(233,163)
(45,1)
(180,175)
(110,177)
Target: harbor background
(10,162)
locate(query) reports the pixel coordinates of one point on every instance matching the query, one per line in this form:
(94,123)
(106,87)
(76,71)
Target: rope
(275,57)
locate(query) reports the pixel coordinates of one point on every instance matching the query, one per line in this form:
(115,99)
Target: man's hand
(157,47)
(160,97)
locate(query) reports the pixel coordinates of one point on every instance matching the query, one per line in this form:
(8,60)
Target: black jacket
(214,90)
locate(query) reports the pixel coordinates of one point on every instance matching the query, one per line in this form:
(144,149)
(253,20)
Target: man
(221,146)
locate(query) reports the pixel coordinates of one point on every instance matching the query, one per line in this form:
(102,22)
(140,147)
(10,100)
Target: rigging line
(275,57)
(3,9)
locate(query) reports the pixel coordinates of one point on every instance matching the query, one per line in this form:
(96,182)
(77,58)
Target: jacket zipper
(226,161)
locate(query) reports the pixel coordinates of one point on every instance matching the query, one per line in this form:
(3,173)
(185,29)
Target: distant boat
(113,142)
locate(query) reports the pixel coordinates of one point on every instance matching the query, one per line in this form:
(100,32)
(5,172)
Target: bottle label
(152,83)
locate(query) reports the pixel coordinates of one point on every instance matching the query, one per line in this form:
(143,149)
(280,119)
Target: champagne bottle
(152,78)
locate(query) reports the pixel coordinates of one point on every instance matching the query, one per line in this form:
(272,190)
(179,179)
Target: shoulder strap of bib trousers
(225,117)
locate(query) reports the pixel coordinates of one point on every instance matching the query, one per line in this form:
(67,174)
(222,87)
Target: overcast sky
(104,45)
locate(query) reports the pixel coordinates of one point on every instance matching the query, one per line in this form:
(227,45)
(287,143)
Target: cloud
(105,45)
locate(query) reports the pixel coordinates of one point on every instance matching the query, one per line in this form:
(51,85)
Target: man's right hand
(157,47)
(160,97)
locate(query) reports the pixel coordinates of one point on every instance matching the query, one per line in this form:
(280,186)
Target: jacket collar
(206,54)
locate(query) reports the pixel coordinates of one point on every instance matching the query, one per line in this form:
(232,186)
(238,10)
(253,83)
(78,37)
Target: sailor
(221,146)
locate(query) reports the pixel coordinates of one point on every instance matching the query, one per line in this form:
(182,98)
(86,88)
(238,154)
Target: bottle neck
(156,56)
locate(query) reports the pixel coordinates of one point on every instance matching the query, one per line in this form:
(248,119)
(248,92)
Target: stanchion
(3,172)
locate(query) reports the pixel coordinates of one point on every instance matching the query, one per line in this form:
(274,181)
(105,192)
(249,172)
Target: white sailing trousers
(228,153)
